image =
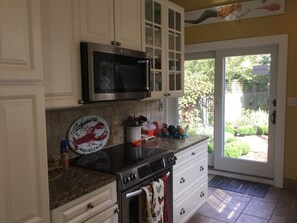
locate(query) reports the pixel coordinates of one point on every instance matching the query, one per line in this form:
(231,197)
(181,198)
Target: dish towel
(154,202)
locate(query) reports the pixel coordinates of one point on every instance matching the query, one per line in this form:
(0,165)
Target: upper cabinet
(175,50)
(164,45)
(20,41)
(114,22)
(61,60)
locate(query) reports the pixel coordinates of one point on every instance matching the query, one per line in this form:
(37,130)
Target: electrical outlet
(148,116)
(292,101)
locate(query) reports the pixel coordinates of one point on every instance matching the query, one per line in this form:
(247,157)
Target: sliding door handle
(273,117)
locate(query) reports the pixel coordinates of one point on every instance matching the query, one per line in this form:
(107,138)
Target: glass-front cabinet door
(164,45)
(154,45)
(175,50)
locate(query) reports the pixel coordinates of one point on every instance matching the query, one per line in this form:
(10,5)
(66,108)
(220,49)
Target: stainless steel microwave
(113,73)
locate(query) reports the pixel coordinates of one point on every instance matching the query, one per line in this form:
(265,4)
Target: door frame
(282,42)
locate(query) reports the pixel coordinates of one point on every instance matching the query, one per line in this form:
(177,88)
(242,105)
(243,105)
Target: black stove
(132,164)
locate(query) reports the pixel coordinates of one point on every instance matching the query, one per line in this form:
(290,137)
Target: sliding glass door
(245,110)
(230,96)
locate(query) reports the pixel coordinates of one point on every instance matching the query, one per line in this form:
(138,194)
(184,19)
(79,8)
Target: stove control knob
(126,180)
(133,176)
(171,159)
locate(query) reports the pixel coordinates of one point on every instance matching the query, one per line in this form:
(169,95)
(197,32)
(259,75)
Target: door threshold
(263,180)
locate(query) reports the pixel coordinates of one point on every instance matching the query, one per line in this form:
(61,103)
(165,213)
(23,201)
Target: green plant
(246,130)
(265,130)
(229,128)
(236,149)
(259,130)
(210,147)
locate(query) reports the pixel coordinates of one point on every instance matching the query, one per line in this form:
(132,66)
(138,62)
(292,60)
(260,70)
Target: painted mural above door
(236,11)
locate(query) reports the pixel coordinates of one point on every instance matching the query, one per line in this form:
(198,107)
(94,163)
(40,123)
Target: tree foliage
(199,84)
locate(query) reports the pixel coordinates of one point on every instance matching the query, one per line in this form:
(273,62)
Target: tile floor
(278,206)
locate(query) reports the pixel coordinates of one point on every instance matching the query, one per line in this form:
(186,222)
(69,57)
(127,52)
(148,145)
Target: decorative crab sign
(88,134)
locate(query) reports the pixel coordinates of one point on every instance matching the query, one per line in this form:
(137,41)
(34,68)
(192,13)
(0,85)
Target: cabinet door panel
(185,178)
(128,23)
(20,40)
(23,160)
(97,21)
(186,207)
(60,53)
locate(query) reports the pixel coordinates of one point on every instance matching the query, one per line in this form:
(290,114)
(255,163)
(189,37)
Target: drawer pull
(182,180)
(116,211)
(182,211)
(193,153)
(201,168)
(90,206)
(201,194)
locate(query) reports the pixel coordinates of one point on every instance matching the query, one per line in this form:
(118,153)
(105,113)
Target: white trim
(282,42)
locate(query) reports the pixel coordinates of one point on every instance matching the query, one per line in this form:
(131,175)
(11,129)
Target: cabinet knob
(90,206)
(201,168)
(193,153)
(182,180)
(116,211)
(113,43)
(118,43)
(202,194)
(182,211)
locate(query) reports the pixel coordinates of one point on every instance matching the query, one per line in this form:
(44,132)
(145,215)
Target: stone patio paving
(259,145)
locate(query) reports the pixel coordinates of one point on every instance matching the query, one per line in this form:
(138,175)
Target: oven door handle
(137,192)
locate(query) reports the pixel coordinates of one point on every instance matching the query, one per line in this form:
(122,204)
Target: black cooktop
(119,158)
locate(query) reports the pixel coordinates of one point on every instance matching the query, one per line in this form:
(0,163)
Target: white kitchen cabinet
(20,40)
(163,41)
(61,60)
(24,193)
(95,207)
(190,181)
(115,22)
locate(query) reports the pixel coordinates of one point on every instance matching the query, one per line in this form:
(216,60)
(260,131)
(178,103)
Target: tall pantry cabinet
(23,159)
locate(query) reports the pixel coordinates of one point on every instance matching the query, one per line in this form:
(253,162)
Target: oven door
(130,202)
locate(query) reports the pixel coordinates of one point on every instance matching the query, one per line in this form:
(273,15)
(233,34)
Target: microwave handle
(148,71)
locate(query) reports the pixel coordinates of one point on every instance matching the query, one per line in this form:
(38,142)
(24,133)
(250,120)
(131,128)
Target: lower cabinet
(190,182)
(95,207)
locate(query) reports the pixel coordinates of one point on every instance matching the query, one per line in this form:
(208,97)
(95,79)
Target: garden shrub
(259,130)
(229,137)
(236,149)
(230,129)
(210,147)
(265,130)
(246,130)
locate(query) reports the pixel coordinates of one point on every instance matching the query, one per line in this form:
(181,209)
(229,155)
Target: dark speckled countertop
(69,184)
(176,145)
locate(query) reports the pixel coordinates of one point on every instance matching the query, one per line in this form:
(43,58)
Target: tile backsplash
(58,121)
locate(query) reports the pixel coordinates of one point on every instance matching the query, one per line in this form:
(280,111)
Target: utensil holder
(133,134)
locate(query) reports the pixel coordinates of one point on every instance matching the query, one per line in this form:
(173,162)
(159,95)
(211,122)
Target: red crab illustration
(91,135)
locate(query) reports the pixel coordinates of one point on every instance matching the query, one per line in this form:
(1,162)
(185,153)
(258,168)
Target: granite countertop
(69,184)
(174,144)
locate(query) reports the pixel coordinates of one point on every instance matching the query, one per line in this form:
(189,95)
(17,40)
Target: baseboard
(290,184)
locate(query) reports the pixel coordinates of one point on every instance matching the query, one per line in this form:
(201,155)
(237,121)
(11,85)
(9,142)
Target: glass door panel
(154,46)
(246,113)
(245,106)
